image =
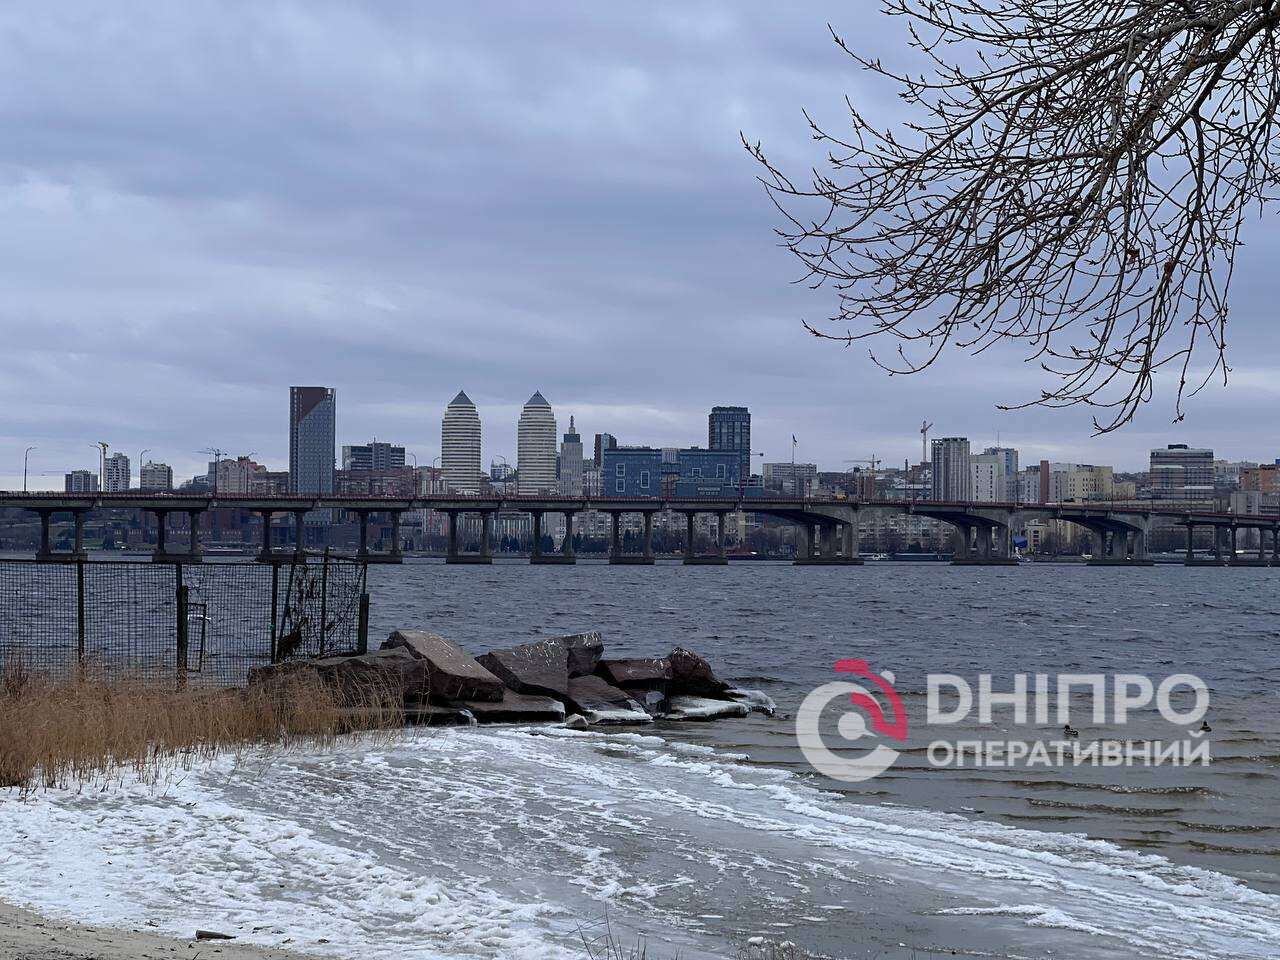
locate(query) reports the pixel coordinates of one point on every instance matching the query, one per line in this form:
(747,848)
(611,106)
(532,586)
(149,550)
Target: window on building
(620,486)
(697,472)
(720,474)
(644,479)
(620,470)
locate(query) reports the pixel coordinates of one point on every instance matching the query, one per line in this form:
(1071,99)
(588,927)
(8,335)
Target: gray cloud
(205,203)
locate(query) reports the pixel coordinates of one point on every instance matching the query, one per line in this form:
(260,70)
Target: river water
(517,842)
(781,628)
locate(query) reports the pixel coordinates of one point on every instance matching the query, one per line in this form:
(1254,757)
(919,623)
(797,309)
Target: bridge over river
(827,527)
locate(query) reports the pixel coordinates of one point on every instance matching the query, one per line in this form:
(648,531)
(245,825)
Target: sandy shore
(28,936)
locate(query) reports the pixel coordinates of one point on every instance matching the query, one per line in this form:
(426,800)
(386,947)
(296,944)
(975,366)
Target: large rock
(644,672)
(600,702)
(452,673)
(514,708)
(362,680)
(544,668)
(692,675)
(582,650)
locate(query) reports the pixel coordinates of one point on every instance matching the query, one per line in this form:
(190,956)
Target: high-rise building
(81,481)
(155,476)
(604,441)
(1180,472)
(372,456)
(729,428)
(234,476)
(793,479)
(952,476)
(571,462)
(994,475)
(312,438)
(117,474)
(536,447)
(460,445)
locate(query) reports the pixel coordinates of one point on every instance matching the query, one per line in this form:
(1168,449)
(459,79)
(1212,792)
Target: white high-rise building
(117,474)
(994,475)
(460,445)
(536,447)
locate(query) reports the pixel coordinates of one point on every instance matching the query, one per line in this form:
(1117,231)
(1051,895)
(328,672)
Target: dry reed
(63,733)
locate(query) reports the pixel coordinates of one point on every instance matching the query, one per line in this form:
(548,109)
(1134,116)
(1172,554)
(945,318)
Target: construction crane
(925,427)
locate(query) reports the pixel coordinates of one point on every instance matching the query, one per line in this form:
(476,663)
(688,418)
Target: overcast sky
(202,205)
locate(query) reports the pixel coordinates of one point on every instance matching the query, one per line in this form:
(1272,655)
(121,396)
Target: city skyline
(637,249)
(480,450)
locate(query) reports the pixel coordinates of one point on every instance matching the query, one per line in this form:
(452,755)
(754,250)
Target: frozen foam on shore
(497,843)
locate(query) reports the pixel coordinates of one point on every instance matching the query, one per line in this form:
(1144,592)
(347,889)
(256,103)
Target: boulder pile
(562,679)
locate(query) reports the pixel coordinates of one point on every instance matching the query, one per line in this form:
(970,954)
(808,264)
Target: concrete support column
(299,534)
(452,548)
(1191,533)
(1234,542)
(984,543)
(1262,545)
(566,548)
(1099,548)
(486,533)
(615,534)
(1217,543)
(720,521)
(395,533)
(648,535)
(363,552)
(46,546)
(1140,545)
(266,535)
(77,551)
(849,541)
(1119,544)
(162,528)
(688,536)
(803,547)
(1275,544)
(193,539)
(536,527)
(960,541)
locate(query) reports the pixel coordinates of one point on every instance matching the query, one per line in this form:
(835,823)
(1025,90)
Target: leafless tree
(1074,176)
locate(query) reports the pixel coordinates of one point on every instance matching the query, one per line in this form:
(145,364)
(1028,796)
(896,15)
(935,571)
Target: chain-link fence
(197,624)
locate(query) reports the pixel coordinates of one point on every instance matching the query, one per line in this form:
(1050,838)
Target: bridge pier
(266,554)
(833,544)
(1236,560)
(693,559)
(990,544)
(616,556)
(454,553)
(536,554)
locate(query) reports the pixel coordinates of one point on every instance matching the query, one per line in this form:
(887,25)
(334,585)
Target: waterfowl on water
(1069,731)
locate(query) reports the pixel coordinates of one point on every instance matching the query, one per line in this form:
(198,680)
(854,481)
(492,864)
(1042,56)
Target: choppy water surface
(503,841)
(781,628)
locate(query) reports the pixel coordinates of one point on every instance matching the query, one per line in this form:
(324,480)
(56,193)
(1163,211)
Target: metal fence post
(181,625)
(275,592)
(362,635)
(80,616)
(324,599)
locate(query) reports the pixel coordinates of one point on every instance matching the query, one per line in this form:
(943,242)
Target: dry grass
(70,732)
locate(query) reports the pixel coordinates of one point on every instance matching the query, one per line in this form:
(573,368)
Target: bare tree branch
(1076,179)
